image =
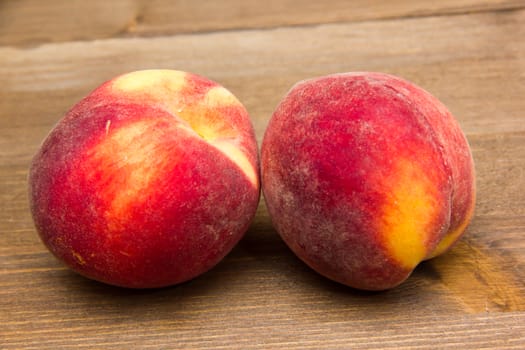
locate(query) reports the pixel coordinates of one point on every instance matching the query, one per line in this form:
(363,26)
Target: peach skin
(149,181)
(365,175)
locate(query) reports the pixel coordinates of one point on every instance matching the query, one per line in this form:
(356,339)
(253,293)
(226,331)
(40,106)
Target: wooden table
(469,53)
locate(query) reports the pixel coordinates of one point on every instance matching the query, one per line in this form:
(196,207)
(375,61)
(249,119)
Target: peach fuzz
(149,181)
(365,175)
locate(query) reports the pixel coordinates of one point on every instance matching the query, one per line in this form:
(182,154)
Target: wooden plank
(236,306)
(465,64)
(31,22)
(174,327)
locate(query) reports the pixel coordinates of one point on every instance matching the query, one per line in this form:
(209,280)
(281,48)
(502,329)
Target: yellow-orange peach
(149,181)
(365,175)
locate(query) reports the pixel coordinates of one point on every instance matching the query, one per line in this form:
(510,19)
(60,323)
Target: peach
(365,175)
(148,181)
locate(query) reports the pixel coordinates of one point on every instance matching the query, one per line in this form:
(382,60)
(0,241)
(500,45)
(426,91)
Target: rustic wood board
(470,54)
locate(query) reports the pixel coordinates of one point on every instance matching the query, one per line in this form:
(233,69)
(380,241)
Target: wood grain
(31,22)
(479,77)
(470,54)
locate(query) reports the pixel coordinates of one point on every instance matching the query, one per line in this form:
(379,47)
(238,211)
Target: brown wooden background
(469,53)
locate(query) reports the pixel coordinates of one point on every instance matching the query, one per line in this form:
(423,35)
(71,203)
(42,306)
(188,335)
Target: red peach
(148,181)
(365,175)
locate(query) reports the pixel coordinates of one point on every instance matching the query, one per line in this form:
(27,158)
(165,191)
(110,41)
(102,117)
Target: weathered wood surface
(30,22)
(470,54)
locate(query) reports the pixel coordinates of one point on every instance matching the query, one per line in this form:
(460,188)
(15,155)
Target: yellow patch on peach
(231,151)
(219,96)
(150,81)
(202,116)
(205,116)
(166,87)
(78,257)
(408,214)
(132,163)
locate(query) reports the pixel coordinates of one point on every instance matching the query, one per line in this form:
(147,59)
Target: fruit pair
(152,179)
